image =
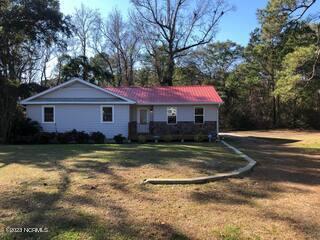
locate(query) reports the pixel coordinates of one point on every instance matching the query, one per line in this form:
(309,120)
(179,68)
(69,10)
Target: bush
(27,127)
(63,138)
(142,139)
(199,138)
(45,138)
(24,130)
(97,137)
(81,137)
(167,138)
(23,140)
(119,138)
(66,137)
(73,136)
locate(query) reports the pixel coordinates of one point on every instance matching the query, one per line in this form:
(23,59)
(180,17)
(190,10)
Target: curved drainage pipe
(198,180)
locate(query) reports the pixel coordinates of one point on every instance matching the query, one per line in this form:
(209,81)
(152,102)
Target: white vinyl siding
(76,90)
(83,118)
(185,113)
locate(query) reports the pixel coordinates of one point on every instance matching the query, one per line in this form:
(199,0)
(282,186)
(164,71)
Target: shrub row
(73,136)
(81,137)
(170,138)
(26,131)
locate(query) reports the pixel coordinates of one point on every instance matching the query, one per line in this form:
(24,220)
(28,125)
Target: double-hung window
(107,114)
(171,115)
(48,114)
(198,115)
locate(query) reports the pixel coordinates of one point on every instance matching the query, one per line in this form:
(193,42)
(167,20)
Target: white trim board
(54,114)
(203,115)
(101,113)
(78,103)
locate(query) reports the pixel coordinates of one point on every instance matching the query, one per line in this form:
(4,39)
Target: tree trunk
(274,111)
(279,122)
(274,103)
(158,69)
(168,79)
(130,82)
(8,103)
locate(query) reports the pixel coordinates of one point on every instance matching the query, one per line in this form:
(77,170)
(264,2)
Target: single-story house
(130,111)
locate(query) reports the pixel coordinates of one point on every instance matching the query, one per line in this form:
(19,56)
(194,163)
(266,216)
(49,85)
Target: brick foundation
(185,128)
(181,128)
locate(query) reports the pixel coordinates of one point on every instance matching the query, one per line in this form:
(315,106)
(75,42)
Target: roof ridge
(162,86)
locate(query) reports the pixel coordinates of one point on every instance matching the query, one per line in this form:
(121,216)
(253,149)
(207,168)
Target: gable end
(76,91)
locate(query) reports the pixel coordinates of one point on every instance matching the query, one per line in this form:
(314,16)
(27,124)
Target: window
(199,115)
(107,114)
(171,115)
(48,114)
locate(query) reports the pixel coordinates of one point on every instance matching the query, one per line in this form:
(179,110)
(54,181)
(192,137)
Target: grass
(307,141)
(94,191)
(84,191)
(155,160)
(231,232)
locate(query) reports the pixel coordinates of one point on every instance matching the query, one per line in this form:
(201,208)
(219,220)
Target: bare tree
(30,58)
(177,26)
(102,48)
(83,22)
(118,36)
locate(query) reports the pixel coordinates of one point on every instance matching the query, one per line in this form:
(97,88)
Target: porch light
(151,109)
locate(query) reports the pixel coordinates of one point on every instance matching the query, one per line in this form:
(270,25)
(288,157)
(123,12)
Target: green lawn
(53,185)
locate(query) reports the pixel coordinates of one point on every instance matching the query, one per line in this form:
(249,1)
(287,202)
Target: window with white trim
(199,115)
(48,114)
(107,114)
(171,115)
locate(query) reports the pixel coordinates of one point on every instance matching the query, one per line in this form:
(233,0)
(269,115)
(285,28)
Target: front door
(143,120)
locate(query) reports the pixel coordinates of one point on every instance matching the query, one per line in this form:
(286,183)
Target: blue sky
(235,26)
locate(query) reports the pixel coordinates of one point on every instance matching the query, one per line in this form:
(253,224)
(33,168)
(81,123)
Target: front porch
(181,122)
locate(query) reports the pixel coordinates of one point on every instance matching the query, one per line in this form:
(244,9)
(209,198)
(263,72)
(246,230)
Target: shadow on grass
(306,226)
(278,171)
(278,162)
(56,209)
(64,223)
(235,193)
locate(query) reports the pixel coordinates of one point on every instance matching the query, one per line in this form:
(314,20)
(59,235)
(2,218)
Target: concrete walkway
(198,180)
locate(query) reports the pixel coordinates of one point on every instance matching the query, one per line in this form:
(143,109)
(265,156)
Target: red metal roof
(170,94)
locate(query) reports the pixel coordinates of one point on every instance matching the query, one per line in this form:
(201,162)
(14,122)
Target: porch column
(217,128)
